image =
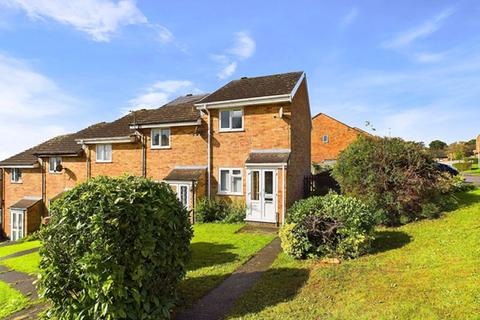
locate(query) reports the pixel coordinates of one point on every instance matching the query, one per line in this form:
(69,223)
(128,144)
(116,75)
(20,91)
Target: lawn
(475,170)
(10,249)
(217,251)
(10,300)
(424,270)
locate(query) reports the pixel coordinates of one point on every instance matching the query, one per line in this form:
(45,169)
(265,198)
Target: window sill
(160,148)
(99,161)
(230,130)
(229,194)
(16,182)
(50,172)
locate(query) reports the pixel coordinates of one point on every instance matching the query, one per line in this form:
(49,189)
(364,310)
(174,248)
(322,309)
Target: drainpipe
(209,152)
(283,195)
(143,141)
(44,183)
(86,149)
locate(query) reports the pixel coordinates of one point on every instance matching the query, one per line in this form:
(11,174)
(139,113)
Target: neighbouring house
(248,141)
(329,137)
(477,149)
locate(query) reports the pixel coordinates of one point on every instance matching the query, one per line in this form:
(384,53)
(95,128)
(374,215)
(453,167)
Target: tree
(437,145)
(395,176)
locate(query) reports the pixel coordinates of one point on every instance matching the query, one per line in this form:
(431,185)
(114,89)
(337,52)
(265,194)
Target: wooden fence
(319,184)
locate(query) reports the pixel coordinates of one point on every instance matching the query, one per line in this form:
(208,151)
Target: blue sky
(410,68)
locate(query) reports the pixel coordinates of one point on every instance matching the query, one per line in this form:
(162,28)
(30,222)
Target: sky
(409,68)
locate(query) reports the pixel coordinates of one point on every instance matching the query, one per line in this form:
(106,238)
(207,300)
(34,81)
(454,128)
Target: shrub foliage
(115,248)
(328,226)
(391,174)
(219,210)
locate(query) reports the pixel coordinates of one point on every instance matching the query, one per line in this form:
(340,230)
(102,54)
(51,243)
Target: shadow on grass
(467,198)
(386,240)
(207,254)
(276,285)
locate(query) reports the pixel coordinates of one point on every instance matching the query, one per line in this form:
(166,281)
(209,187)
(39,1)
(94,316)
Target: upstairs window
(231,120)
(325,139)
(231,181)
(16,175)
(54,164)
(160,138)
(104,152)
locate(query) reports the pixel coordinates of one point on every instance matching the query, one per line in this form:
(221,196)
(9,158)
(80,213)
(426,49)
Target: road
(473,179)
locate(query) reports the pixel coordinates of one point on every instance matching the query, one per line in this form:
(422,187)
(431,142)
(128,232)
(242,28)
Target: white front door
(262,195)
(17,228)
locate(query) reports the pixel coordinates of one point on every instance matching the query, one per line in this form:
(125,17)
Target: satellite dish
(59,168)
(280,112)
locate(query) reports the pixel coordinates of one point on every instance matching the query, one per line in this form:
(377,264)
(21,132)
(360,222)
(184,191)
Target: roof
(25,203)
(342,123)
(272,85)
(187,174)
(181,109)
(268,156)
(60,145)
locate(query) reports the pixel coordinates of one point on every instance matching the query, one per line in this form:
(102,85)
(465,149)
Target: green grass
(14,248)
(10,300)
(217,251)
(27,263)
(424,270)
(475,170)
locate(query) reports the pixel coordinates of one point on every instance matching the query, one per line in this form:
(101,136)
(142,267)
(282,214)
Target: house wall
(263,129)
(188,147)
(33,217)
(478,147)
(126,159)
(31,186)
(300,157)
(339,137)
(74,172)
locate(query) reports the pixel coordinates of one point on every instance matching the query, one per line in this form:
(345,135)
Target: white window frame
(58,160)
(160,139)
(327,140)
(12,180)
(229,191)
(230,129)
(97,159)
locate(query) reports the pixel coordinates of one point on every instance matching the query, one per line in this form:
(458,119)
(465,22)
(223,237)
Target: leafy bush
(115,248)
(219,210)
(463,166)
(458,184)
(329,226)
(391,174)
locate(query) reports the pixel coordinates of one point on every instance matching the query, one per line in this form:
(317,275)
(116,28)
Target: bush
(115,248)
(329,226)
(219,210)
(393,175)
(463,166)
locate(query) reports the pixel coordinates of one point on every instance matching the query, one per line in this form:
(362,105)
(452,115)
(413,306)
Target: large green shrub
(115,248)
(328,226)
(391,174)
(219,210)
(463,166)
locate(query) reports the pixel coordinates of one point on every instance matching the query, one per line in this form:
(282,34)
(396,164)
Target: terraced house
(248,141)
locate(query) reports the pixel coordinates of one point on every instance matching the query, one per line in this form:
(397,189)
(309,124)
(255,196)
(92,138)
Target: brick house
(330,137)
(477,148)
(248,141)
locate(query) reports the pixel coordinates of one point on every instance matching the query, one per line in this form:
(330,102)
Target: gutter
(126,139)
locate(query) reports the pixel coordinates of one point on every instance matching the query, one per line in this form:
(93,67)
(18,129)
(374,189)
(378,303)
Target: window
(54,164)
(231,120)
(325,139)
(231,181)
(16,175)
(160,138)
(104,153)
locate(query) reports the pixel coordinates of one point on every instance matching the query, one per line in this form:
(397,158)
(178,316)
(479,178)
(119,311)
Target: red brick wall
(339,137)
(126,159)
(31,186)
(301,126)
(74,172)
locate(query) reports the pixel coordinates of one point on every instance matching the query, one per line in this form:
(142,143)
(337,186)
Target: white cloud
(427,57)
(100,19)
(244,46)
(422,31)
(159,93)
(349,18)
(227,71)
(29,105)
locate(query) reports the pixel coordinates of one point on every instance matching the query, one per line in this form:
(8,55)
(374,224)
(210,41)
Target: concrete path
(472,179)
(19,254)
(20,281)
(218,302)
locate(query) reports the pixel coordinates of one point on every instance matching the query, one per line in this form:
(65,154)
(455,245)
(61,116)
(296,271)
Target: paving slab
(19,254)
(218,302)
